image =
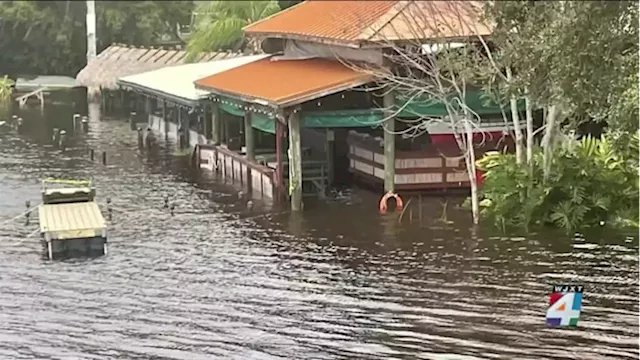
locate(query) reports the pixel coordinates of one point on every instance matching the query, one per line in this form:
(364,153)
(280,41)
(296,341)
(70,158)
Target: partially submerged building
(305,114)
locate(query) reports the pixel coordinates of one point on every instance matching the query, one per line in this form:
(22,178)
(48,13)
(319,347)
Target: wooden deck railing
(237,168)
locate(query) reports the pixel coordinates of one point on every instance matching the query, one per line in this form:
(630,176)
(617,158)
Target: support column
(280,129)
(215,124)
(248,136)
(295,161)
(180,133)
(147,106)
(164,118)
(207,125)
(187,130)
(226,133)
(389,143)
(329,149)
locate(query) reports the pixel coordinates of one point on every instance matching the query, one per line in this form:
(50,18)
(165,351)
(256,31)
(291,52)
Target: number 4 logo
(565,309)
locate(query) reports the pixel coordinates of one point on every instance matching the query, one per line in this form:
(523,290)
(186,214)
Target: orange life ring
(383,202)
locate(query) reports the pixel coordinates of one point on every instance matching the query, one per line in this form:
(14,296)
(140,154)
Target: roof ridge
(274,15)
(400,3)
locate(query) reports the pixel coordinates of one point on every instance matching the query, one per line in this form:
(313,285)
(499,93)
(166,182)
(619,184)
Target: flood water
(220,281)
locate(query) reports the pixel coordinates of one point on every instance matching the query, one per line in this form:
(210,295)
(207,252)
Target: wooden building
(306,97)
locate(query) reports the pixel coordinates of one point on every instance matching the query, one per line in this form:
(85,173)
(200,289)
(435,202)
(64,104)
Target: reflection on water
(220,281)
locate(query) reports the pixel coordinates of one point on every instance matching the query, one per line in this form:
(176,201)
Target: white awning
(177,82)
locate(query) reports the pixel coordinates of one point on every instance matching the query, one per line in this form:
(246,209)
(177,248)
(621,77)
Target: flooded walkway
(220,281)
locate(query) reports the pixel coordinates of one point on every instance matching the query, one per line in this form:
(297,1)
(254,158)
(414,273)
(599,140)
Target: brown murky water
(219,281)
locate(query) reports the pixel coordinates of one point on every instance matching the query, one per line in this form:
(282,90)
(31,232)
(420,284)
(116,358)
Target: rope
(22,214)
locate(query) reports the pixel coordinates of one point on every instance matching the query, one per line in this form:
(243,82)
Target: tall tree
(218,24)
(49,37)
(576,59)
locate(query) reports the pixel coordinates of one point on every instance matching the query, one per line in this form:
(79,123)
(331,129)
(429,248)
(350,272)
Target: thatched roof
(121,60)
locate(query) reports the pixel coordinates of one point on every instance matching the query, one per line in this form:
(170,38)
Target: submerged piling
(104,158)
(139,136)
(91,154)
(85,124)
(62,144)
(19,124)
(56,136)
(132,120)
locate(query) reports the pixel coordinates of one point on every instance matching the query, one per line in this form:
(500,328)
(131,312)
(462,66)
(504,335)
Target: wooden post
(295,161)
(330,139)
(389,143)
(248,136)
(164,118)
(280,166)
(207,125)
(215,123)
(187,130)
(147,106)
(180,127)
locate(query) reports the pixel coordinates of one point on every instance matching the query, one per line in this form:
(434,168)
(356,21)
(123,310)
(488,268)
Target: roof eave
(241,97)
(321,40)
(316,95)
(161,94)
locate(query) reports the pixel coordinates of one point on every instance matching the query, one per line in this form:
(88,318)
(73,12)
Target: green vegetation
(578,62)
(591,184)
(6,88)
(218,24)
(49,37)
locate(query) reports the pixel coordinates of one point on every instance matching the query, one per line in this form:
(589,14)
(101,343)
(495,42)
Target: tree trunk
(470,160)
(547,140)
(529,113)
(515,117)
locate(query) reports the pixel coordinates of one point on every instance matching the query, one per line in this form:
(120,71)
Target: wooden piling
(132,120)
(91,154)
(104,158)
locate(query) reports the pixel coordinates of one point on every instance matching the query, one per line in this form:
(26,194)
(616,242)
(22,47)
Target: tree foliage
(591,184)
(49,37)
(581,55)
(218,24)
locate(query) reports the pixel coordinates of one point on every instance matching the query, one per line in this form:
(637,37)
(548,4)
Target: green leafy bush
(591,184)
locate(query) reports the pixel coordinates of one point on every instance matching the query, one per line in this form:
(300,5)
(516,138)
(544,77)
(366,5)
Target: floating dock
(70,220)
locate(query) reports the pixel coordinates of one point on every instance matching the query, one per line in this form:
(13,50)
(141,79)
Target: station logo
(565,305)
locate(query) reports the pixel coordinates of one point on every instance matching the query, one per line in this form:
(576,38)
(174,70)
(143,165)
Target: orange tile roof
(334,20)
(357,22)
(284,82)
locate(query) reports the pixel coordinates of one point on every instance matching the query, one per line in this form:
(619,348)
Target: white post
(91,41)
(91,30)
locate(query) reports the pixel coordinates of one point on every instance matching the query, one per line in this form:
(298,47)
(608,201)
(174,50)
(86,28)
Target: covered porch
(282,119)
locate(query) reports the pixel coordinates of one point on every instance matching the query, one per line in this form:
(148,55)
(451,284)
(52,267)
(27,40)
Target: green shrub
(590,183)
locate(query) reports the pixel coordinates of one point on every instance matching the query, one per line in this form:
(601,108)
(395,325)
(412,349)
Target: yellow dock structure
(70,219)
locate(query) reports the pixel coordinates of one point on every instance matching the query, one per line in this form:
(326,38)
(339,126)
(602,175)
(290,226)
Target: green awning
(343,118)
(259,121)
(476,100)
(366,117)
(263,123)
